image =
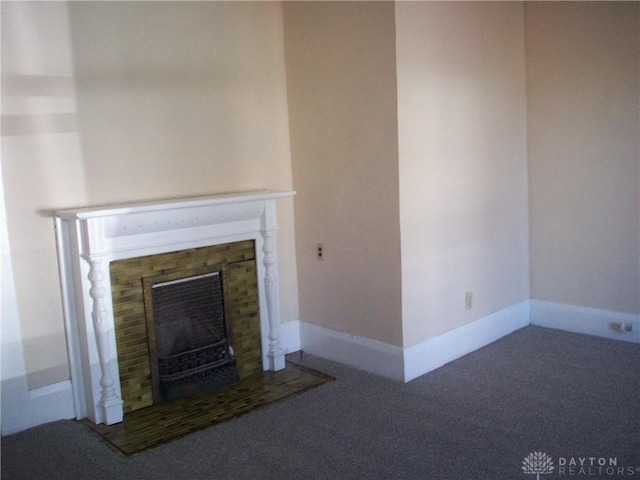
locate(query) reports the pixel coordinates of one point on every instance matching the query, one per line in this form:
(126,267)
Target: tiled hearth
(153,426)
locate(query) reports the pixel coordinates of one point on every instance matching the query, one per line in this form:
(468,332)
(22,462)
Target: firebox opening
(189,333)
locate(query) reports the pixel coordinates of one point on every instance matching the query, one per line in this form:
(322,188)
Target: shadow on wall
(42,169)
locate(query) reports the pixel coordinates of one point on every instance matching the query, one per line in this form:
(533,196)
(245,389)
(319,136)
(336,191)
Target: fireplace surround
(90,239)
(130,279)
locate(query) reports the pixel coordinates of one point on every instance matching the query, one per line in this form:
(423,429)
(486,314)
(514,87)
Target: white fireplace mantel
(90,238)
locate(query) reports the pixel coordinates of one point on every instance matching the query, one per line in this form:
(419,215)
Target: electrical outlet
(319,252)
(626,327)
(468,300)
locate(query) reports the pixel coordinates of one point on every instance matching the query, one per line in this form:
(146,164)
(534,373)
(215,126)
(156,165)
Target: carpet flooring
(564,396)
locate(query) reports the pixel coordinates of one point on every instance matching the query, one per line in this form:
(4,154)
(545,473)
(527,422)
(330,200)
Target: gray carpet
(536,390)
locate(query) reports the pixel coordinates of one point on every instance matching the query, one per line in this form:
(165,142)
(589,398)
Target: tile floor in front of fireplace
(159,424)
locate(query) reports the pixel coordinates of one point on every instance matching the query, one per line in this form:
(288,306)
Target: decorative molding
(275,353)
(589,321)
(110,401)
(90,238)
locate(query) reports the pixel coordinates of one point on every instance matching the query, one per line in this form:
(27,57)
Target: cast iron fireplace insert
(189,333)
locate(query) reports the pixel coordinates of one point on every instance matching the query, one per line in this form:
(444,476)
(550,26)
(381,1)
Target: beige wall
(42,169)
(120,101)
(341,81)
(408,136)
(583,73)
(463,163)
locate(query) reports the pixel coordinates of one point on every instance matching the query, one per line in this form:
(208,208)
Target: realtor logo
(537,463)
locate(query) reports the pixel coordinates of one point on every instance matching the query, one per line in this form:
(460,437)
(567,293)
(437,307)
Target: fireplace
(108,373)
(189,334)
(132,282)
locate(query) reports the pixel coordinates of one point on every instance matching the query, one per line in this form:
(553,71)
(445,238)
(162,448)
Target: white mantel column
(110,403)
(268,231)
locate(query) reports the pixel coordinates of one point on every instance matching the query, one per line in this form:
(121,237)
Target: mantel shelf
(173,203)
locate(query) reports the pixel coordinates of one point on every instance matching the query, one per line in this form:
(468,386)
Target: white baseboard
(437,351)
(405,364)
(40,405)
(290,336)
(15,412)
(359,352)
(51,403)
(55,402)
(589,321)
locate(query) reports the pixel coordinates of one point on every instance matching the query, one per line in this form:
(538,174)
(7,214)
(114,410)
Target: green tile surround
(129,311)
